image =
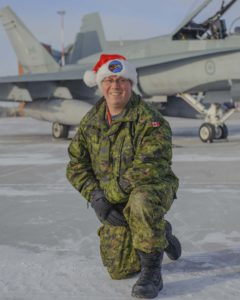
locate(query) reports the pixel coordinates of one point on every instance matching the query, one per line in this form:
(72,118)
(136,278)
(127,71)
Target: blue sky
(125,19)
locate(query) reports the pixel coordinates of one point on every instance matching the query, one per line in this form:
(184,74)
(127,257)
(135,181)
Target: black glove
(106,212)
(102,208)
(116,219)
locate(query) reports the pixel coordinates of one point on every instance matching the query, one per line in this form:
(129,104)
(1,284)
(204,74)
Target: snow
(199,158)
(49,248)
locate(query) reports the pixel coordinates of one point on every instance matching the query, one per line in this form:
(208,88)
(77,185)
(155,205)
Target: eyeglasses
(110,81)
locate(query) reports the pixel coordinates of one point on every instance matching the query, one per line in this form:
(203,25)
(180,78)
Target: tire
(221,132)
(224,132)
(59,130)
(206,132)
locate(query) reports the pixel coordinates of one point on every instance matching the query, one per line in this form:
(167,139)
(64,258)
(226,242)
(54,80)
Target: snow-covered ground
(48,241)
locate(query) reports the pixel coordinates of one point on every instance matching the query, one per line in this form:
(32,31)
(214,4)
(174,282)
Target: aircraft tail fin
(31,55)
(90,40)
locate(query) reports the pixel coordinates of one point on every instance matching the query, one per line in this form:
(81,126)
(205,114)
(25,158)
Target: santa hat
(109,65)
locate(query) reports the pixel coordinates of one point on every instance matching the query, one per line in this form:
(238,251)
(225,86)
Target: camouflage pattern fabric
(117,252)
(144,213)
(131,162)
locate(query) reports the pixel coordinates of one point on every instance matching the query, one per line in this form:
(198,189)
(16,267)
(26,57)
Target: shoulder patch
(155,124)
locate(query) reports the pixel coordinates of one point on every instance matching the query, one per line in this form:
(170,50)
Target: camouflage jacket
(135,150)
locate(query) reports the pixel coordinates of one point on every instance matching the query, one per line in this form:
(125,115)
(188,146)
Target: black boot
(174,249)
(149,282)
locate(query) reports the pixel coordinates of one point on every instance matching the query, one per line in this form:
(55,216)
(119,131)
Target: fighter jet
(195,62)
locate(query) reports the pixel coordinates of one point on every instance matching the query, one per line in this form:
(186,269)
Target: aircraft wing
(55,76)
(39,86)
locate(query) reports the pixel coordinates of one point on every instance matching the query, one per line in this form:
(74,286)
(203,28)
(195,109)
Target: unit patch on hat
(115,66)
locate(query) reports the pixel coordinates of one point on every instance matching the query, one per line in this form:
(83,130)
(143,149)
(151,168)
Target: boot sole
(147,295)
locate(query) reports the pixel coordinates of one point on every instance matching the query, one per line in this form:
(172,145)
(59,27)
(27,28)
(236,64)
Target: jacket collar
(98,118)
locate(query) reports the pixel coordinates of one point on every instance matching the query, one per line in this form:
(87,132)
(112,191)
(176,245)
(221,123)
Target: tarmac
(48,240)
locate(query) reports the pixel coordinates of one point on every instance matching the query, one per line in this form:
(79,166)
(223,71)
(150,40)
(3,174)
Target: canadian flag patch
(155,124)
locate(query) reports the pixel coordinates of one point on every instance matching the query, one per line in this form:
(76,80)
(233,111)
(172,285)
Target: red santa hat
(109,65)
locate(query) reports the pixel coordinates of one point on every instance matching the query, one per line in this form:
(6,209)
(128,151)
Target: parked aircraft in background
(196,62)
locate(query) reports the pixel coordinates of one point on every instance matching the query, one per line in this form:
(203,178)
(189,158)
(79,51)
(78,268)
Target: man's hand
(106,212)
(116,219)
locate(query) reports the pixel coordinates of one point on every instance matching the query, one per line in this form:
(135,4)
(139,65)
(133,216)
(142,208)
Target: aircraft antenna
(62,13)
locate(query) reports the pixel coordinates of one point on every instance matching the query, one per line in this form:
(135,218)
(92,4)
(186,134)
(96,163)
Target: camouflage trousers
(144,213)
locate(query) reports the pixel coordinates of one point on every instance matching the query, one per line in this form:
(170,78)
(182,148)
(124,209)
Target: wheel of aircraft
(59,130)
(221,132)
(207,132)
(215,114)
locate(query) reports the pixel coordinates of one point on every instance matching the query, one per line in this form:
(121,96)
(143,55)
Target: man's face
(117,92)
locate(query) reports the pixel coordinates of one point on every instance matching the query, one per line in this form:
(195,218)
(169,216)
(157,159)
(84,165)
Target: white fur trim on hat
(126,70)
(89,78)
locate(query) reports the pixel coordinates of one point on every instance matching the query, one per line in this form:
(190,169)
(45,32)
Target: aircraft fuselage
(190,66)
